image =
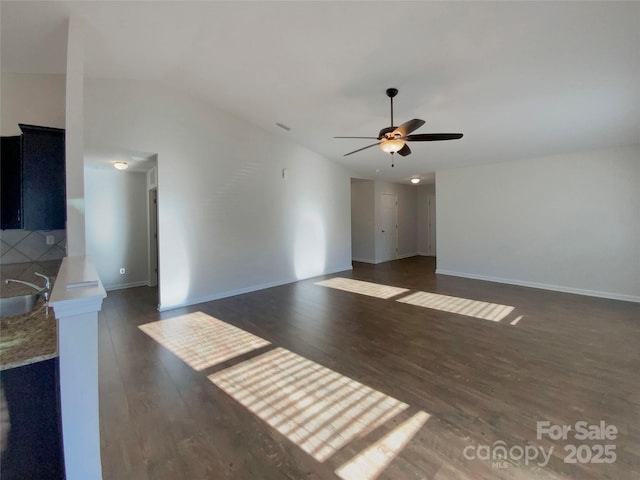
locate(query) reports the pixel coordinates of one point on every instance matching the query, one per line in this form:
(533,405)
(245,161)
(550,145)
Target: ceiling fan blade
(404,151)
(363,148)
(368,138)
(430,137)
(407,127)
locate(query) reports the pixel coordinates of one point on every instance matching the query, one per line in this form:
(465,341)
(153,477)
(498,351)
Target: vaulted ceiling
(519,79)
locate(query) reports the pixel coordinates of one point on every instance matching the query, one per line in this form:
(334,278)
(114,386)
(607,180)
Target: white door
(389,226)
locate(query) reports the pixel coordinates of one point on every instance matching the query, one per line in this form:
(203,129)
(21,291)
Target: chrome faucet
(36,287)
(46,289)
(47,282)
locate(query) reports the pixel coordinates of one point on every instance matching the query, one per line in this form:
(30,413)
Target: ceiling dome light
(415,180)
(392,146)
(121,165)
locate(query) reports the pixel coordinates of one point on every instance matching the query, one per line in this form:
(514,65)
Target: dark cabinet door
(11,182)
(31,414)
(43,178)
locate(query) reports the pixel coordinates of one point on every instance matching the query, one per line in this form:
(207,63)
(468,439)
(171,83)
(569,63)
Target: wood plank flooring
(476,380)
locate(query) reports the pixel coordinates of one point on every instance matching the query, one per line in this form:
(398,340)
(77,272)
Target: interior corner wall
(568,222)
(116,222)
(363,221)
(229,220)
(407,218)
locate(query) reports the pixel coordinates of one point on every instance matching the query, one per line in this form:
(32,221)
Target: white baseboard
(122,286)
(363,260)
(543,286)
(375,262)
(240,291)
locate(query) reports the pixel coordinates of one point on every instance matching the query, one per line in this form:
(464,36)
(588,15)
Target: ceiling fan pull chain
(393,159)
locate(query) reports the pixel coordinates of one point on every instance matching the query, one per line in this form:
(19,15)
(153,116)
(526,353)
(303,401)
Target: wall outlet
(50,239)
(122,271)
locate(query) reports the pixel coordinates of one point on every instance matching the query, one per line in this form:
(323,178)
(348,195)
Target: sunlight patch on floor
(201,340)
(370,463)
(314,407)
(463,306)
(364,288)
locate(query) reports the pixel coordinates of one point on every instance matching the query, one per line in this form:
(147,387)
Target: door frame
(154,272)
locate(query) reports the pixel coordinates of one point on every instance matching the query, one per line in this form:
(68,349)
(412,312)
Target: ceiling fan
(393,139)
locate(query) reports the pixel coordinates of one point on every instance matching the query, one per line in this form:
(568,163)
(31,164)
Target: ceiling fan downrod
(392,92)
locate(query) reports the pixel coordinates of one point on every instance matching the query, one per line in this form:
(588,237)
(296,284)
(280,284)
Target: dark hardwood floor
(555,357)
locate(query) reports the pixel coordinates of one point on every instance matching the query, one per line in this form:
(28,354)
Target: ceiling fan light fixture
(392,146)
(392,139)
(415,180)
(121,165)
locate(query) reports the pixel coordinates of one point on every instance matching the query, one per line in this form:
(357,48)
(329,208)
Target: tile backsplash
(20,246)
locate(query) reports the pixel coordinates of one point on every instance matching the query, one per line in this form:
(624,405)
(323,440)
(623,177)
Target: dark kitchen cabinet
(43,178)
(31,413)
(11,171)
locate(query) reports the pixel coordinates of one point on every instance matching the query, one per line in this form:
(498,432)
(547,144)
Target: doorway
(431,224)
(153,237)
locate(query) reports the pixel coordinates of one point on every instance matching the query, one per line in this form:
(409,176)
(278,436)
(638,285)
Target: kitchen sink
(17,305)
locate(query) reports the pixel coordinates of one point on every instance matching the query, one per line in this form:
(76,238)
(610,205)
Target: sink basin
(17,305)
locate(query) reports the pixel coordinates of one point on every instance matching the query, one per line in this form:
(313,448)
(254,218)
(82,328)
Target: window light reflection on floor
(370,463)
(201,340)
(363,288)
(463,306)
(314,407)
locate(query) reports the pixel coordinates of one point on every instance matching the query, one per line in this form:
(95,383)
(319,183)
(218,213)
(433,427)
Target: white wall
(228,221)
(363,221)
(426,226)
(116,222)
(34,99)
(568,222)
(407,218)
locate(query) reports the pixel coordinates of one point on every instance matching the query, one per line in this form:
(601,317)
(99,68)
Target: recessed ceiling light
(121,165)
(415,180)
